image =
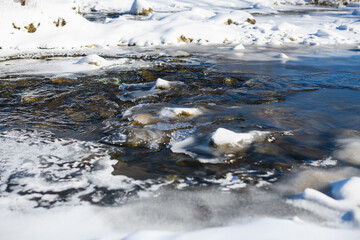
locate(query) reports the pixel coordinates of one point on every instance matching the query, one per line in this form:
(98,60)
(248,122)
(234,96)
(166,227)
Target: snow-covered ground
(61,25)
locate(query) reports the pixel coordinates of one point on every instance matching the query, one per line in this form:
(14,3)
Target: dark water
(306,104)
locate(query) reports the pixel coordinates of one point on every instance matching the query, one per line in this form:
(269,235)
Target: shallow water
(73,139)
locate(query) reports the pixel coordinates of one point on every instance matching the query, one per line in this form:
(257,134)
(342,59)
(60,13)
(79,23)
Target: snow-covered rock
(95,60)
(162,84)
(225,137)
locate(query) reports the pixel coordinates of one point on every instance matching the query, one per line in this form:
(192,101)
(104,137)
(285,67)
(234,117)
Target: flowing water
(107,138)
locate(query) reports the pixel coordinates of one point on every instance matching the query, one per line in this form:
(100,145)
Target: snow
(94,60)
(224,136)
(345,189)
(139,6)
(59,25)
(162,84)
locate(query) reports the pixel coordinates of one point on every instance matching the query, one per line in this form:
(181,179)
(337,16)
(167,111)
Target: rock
(60,22)
(30,99)
(184,39)
(31,28)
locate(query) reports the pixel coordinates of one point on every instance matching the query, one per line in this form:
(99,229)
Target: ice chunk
(223,137)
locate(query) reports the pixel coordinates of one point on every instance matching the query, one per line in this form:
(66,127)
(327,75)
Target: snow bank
(59,25)
(340,206)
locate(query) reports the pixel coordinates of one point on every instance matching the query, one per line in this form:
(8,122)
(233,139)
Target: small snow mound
(347,189)
(140,7)
(323,33)
(282,56)
(223,137)
(94,59)
(162,84)
(356,12)
(239,47)
(179,112)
